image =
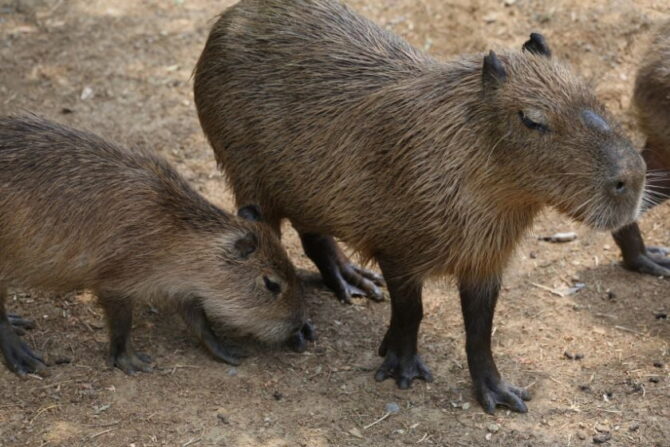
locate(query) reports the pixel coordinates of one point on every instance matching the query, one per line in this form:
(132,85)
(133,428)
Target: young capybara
(78,212)
(651,98)
(429,167)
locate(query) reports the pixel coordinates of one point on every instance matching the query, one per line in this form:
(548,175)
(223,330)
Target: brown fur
(651,96)
(79,212)
(326,119)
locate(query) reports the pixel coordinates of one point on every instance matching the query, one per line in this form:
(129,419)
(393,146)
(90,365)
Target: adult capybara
(651,98)
(429,167)
(78,212)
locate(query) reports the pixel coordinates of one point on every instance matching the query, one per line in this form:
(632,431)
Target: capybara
(77,212)
(428,167)
(651,99)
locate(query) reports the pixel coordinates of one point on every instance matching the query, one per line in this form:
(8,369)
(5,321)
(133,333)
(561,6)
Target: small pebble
(232,371)
(602,438)
(559,238)
(277,395)
(634,427)
(602,428)
(532,255)
(223,418)
(493,428)
(392,408)
(488,436)
(581,435)
(466,406)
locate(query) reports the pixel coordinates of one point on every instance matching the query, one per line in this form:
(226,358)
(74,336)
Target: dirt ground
(123,69)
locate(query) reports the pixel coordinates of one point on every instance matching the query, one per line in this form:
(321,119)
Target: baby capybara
(77,212)
(429,167)
(651,98)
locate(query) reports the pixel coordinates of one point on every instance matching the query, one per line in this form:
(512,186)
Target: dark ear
(537,45)
(246,245)
(493,72)
(250,212)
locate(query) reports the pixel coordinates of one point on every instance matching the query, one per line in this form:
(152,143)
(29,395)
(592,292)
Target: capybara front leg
(636,256)
(338,272)
(196,320)
(478,302)
(19,358)
(399,347)
(119,313)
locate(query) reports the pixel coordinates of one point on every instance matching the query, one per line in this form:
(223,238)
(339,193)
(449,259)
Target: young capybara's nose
(298,340)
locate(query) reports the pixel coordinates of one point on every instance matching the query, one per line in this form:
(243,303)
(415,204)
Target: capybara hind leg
(337,271)
(196,320)
(636,256)
(19,358)
(478,302)
(399,347)
(119,313)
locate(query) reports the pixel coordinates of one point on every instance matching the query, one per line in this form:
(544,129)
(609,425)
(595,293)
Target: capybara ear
(493,72)
(246,245)
(537,45)
(250,212)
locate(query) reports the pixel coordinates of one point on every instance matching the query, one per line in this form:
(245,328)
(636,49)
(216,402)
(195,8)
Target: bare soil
(123,69)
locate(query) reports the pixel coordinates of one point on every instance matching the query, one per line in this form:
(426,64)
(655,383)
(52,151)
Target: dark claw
(19,322)
(649,264)
(658,251)
(226,353)
(370,275)
(403,370)
(131,362)
(492,393)
(20,359)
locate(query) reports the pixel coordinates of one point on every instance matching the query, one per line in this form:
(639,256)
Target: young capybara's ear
(493,72)
(246,245)
(537,45)
(250,212)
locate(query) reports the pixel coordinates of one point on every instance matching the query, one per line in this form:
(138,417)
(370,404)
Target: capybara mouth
(298,340)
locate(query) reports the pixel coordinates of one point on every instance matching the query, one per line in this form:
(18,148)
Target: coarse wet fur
(77,212)
(428,167)
(651,99)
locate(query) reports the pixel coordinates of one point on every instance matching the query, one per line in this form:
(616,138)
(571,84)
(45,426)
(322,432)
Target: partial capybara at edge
(429,167)
(651,99)
(77,212)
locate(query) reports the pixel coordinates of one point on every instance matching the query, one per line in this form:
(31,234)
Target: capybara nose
(618,187)
(298,340)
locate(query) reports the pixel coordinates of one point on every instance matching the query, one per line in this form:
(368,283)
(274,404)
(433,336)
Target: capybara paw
(131,362)
(20,359)
(493,393)
(403,369)
(227,353)
(20,325)
(649,263)
(298,340)
(362,282)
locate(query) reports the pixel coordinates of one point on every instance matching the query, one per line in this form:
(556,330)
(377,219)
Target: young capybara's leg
(399,347)
(119,313)
(20,359)
(337,271)
(196,320)
(478,302)
(636,256)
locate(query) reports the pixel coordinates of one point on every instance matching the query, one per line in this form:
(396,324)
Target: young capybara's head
(555,140)
(253,288)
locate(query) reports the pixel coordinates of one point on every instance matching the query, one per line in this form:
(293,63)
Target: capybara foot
(225,352)
(298,341)
(404,369)
(350,280)
(131,362)
(19,324)
(652,262)
(493,392)
(20,359)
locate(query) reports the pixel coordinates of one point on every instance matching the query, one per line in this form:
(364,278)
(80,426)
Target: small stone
(581,435)
(222,418)
(86,93)
(509,2)
(356,432)
(277,395)
(634,427)
(602,428)
(488,436)
(232,372)
(466,406)
(602,438)
(560,238)
(392,408)
(493,428)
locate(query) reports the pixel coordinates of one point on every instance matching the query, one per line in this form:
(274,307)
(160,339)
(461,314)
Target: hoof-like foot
(492,393)
(20,325)
(20,359)
(351,281)
(404,369)
(131,362)
(652,262)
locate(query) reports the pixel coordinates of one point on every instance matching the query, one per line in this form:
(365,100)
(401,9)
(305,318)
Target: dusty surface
(123,69)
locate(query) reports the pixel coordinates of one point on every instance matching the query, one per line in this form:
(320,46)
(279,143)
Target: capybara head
(256,291)
(549,126)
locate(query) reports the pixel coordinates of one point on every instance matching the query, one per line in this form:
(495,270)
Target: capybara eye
(246,245)
(532,124)
(271,285)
